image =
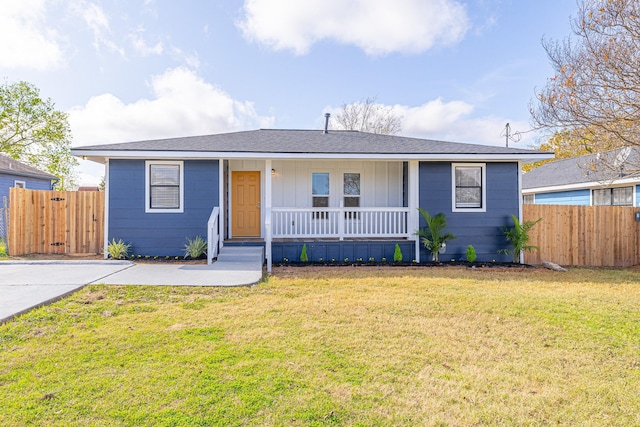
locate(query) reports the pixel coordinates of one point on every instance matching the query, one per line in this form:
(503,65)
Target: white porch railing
(339,222)
(213,235)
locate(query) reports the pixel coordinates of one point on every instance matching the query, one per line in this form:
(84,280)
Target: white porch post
(221,202)
(267,214)
(414,202)
(106,210)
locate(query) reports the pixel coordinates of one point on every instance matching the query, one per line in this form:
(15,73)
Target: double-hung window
(320,191)
(351,190)
(469,187)
(164,187)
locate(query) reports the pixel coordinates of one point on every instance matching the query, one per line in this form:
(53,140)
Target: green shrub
(303,255)
(119,249)
(471,254)
(397,254)
(195,248)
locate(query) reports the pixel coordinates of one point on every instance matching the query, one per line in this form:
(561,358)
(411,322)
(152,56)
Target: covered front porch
(339,209)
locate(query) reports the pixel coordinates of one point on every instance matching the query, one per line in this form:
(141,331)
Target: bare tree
(367,115)
(594,95)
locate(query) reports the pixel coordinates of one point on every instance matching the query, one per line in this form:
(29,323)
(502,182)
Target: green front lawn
(334,346)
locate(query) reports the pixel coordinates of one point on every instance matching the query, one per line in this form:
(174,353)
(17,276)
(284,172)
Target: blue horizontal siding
(573,197)
(480,229)
(338,251)
(637,195)
(160,234)
(7,181)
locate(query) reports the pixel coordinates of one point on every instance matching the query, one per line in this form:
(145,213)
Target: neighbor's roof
(277,143)
(577,172)
(9,165)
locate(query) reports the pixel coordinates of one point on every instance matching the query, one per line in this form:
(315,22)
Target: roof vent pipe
(326,123)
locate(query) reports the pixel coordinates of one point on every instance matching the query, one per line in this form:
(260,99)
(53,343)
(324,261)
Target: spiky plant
(433,238)
(195,248)
(119,249)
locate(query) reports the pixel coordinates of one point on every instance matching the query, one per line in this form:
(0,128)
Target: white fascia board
(99,156)
(583,186)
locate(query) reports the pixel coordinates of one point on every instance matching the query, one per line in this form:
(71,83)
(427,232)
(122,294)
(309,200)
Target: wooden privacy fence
(55,222)
(599,236)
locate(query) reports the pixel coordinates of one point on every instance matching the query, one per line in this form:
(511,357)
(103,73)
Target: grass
(334,346)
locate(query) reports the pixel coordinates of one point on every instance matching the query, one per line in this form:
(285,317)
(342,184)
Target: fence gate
(55,222)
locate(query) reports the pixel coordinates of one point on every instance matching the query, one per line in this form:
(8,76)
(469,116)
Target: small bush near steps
(195,248)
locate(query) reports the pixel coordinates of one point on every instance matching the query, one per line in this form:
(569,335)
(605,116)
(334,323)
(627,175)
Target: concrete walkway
(236,266)
(25,285)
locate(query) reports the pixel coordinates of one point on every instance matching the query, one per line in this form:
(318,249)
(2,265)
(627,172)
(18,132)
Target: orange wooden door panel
(245,203)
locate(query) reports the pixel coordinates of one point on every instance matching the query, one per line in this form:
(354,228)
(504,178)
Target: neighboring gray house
(345,194)
(17,174)
(584,181)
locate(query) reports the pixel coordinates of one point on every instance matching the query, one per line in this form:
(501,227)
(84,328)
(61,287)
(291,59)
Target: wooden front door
(245,204)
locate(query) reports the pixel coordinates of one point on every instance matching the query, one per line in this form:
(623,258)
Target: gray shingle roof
(14,167)
(576,171)
(306,141)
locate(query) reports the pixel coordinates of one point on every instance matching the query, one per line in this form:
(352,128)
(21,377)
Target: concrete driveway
(28,284)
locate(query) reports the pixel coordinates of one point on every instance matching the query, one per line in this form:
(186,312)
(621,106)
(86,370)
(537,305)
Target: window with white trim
(351,186)
(19,184)
(351,193)
(529,199)
(164,186)
(618,196)
(320,192)
(468,187)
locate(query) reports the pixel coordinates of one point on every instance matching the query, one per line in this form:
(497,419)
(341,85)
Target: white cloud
(98,22)
(182,104)
(453,121)
(191,60)
(376,26)
(141,46)
(27,39)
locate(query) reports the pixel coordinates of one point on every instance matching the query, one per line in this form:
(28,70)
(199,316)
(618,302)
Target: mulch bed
(407,264)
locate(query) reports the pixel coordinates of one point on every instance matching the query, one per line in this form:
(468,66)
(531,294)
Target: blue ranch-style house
(345,194)
(586,181)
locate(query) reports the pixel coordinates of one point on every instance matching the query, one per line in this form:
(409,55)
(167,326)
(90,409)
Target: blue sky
(127,70)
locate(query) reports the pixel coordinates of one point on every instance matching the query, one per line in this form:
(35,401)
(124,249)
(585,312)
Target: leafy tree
(33,131)
(433,237)
(565,145)
(595,92)
(367,115)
